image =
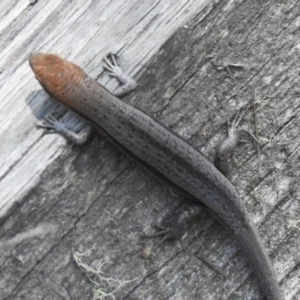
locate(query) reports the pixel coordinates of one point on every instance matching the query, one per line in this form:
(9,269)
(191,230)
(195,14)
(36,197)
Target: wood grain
(196,66)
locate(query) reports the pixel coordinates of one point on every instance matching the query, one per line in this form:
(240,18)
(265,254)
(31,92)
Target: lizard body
(157,148)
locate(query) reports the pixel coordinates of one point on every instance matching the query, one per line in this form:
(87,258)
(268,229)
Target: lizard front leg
(52,125)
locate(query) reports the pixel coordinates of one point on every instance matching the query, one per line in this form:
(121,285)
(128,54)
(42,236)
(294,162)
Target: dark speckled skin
(160,150)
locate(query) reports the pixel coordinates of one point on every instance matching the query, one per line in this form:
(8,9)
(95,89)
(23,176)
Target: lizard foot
(51,125)
(185,217)
(228,145)
(112,65)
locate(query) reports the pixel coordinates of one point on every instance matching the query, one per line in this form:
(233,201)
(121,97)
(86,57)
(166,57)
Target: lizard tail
(252,244)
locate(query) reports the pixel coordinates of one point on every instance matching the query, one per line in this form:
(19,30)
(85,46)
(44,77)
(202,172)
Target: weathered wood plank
(83,32)
(71,198)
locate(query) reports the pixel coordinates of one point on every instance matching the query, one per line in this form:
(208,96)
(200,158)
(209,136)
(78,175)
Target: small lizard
(162,152)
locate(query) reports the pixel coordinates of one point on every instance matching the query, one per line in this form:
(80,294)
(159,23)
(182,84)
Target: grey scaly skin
(165,154)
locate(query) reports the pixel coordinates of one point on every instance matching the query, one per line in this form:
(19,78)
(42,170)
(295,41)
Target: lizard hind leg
(178,226)
(227,146)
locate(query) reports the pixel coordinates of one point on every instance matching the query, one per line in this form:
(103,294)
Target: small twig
(212,265)
(294,224)
(209,262)
(256,132)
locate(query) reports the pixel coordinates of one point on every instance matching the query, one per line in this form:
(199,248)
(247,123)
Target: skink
(158,149)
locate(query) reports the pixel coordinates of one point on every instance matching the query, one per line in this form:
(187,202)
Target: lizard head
(56,75)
